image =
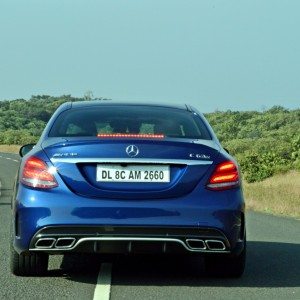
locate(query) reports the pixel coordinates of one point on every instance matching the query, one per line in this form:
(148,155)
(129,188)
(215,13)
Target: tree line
(264,143)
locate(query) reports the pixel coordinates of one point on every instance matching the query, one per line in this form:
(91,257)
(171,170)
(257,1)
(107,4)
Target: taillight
(224,177)
(37,174)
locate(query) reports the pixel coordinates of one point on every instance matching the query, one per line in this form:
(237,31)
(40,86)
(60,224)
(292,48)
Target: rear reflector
(37,174)
(225,176)
(130,135)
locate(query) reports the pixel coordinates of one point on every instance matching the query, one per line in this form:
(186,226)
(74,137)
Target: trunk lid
(77,159)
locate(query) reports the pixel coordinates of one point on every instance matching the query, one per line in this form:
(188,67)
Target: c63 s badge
(199,155)
(71,154)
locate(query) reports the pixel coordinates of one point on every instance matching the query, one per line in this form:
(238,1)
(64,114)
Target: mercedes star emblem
(132,150)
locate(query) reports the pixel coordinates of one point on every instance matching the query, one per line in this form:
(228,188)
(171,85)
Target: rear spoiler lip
(67,141)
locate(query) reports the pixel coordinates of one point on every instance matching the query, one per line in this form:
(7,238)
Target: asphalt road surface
(272,271)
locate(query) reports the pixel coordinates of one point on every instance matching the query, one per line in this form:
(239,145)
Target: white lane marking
(102,290)
(0,187)
(15,160)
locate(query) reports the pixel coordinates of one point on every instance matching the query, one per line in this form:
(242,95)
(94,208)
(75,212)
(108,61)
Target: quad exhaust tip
(63,243)
(196,244)
(215,245)
(45,243)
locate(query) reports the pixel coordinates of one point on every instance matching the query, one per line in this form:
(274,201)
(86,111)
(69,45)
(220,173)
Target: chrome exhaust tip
(64,243)
(215,245)
(45,243)
(195,244)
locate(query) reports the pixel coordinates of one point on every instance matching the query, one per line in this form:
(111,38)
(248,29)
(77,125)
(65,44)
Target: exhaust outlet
(64,243)
(45,243)
(215,245)
(195,244)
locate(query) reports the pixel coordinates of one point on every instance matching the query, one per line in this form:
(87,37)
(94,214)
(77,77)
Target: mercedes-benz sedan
(127,178)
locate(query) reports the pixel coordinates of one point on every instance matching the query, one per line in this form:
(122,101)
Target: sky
(213,54)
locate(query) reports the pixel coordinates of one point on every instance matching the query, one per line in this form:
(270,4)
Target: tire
(226,266)
(29,263)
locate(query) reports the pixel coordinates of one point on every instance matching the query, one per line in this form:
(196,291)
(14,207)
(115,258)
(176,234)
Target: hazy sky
(214,54)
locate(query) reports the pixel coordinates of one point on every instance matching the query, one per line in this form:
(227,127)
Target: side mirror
(25,149)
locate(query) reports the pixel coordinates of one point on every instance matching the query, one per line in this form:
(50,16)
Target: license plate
(133,173)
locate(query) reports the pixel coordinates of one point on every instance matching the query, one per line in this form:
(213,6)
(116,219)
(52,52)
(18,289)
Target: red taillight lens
(225,176)
(37,174)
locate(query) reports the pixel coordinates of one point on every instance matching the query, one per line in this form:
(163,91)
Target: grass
(279,195)
(10,148)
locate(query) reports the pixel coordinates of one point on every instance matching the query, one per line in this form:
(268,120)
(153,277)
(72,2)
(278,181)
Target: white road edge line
(15,160)
(102,290)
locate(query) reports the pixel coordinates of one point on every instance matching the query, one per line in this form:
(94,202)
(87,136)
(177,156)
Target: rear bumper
(124,226)
(114,239)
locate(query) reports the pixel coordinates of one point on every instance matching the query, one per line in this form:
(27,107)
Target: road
(272,271)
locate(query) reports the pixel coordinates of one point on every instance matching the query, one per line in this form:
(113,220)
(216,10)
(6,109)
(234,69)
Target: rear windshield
(91,121)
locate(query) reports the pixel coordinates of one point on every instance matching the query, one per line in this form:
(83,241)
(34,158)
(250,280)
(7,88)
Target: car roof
(91,103)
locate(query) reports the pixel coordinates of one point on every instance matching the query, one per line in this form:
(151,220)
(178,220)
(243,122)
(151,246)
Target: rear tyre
(226,266)
(29,263)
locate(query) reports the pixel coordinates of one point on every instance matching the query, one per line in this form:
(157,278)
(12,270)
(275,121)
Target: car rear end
(113,178)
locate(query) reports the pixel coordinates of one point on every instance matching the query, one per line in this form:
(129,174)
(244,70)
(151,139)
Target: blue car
(128,178)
